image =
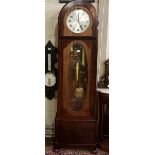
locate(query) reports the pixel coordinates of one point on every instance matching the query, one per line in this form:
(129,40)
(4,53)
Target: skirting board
(49,132)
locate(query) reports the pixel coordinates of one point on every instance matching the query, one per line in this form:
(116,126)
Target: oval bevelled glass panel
(78,76)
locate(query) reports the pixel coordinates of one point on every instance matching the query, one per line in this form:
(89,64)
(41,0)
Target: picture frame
(67,1)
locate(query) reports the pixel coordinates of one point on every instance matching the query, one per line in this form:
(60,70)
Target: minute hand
(78,17)
(79,22)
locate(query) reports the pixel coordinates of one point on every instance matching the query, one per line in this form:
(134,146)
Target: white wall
(52,9)
(103,50)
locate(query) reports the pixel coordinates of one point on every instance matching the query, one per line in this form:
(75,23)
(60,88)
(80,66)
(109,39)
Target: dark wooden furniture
(76,120)
(103,98)
(103,115)
(106,81)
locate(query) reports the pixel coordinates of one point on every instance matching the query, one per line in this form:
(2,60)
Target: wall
(103,47)
(52,9)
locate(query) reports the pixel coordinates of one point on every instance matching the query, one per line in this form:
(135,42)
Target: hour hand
(81,27)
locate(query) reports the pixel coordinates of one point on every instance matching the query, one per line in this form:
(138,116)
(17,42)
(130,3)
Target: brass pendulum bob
(79,91)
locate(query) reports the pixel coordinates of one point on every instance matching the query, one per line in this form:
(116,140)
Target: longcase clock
(76,120)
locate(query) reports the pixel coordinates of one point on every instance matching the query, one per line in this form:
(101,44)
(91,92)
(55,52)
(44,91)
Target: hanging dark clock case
(50,70)
(76,120)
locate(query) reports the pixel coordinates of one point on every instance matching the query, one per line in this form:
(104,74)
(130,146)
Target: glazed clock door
(75,80)
(77,84)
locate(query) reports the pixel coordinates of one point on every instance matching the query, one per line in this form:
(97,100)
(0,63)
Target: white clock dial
(50,79)
(78,21)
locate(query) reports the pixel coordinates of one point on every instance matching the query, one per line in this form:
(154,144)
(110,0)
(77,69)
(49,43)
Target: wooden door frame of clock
(92,76)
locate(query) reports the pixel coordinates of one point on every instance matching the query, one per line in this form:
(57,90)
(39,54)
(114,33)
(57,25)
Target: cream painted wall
(103,47)
(52,9)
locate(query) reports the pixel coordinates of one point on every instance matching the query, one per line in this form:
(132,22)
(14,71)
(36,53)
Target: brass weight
(79,91)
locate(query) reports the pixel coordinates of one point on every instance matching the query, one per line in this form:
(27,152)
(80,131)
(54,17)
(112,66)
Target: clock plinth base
(76,134)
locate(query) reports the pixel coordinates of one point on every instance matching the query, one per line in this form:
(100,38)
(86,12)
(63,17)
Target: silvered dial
(78,21)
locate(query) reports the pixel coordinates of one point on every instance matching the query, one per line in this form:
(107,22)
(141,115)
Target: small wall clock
(50,70)
(76,120)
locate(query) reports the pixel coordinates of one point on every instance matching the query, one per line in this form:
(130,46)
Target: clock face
(50,79)
(78,21)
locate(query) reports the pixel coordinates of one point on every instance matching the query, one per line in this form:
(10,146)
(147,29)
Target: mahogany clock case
(76,123)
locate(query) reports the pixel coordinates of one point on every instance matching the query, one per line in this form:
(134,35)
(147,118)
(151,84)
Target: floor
(103,145)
